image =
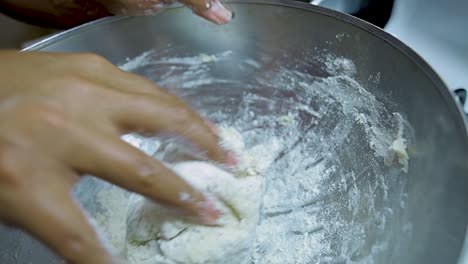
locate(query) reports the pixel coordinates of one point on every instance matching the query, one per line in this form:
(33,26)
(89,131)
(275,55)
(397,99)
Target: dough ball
(155,235)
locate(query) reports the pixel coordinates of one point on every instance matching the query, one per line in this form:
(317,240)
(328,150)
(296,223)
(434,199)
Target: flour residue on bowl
(326,198)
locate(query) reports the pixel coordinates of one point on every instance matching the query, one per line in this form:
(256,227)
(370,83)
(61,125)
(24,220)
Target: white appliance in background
(344,6)
(438,31)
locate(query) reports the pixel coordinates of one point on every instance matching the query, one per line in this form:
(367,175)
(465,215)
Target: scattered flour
(112,219)
(146,59)
(326,198)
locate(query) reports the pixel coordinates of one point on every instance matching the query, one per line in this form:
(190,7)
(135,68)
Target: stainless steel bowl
(280,58)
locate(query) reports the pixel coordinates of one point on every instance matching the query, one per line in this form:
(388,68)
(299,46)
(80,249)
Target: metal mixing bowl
(278,59)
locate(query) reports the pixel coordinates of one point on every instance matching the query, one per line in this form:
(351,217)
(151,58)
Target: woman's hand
(212,10)
(70,13)
(61,116)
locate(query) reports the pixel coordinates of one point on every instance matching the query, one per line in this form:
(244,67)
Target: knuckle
(146,172)
(67,84)
(74,86)
(9,172)
(75,246)
(183,115)
(37,114)
(93,60)
(47,115)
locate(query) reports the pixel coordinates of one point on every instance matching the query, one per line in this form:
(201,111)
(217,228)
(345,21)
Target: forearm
(59,14)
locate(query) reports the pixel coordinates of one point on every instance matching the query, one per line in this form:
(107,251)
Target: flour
(146,59)
(324,137)
(154,234)
(112,219)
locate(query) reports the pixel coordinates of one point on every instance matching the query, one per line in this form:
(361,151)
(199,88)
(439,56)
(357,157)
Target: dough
(254,161)
(155,236)
(397,150)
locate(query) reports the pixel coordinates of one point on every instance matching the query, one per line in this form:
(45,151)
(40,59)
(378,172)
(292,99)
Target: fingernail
(212,127)
(217,13)
(208,214)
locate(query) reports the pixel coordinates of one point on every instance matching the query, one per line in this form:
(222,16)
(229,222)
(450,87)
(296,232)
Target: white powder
(112,219)
(146,59)
(140,61)
(327,193)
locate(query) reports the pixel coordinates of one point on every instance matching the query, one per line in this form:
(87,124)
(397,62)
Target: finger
(231,159)
(113,160)
(136,7)
(156,115)
(98,70)
(69,232)
(114,78)
(121,80)
(45,208)
(130,82)
(211,10)
(212,127)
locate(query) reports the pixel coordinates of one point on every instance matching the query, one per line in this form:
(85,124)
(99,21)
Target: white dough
(232,140)
(254,161)
(397,150)
(155,236)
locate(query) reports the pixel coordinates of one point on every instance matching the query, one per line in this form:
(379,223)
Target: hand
(212,10)
(70,13)
(61,116)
